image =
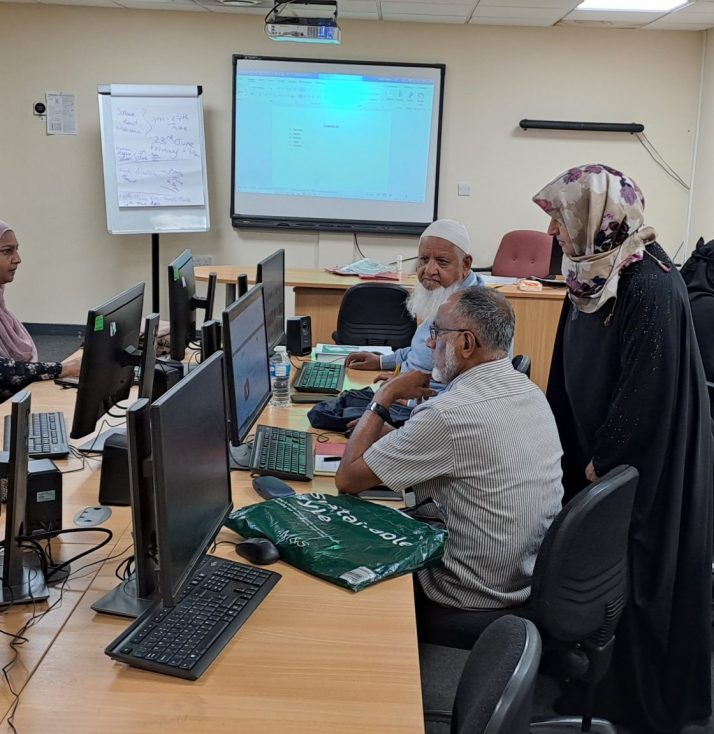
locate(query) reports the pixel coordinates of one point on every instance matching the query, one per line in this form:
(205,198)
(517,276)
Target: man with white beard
(443,267)
(486,450)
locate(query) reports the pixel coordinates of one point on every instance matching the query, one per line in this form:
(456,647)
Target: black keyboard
(48,436)
(184,640)
(320,377)
(282,452)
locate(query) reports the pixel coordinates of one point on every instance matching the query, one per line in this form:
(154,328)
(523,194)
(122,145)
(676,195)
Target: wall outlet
(199,260)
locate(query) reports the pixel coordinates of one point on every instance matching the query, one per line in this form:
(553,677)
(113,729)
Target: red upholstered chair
(523,252)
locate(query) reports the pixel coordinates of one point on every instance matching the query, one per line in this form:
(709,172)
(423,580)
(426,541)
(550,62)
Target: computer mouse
(270,488)
(260,551)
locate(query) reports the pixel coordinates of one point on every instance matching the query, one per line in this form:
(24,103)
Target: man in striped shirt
(486,449)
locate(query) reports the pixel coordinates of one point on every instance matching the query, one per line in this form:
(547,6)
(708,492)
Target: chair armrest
(570,723)
(487,269)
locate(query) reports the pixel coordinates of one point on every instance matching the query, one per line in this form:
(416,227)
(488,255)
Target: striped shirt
(486,449)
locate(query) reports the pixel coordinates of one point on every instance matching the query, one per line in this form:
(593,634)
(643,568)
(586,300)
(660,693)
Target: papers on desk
(494,280)
(367,266)
(336,353)
(327,458)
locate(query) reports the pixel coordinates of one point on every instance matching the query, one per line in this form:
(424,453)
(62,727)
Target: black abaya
(627,387)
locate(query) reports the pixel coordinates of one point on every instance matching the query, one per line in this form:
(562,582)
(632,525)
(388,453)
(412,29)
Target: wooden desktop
(313,658)
(318,294)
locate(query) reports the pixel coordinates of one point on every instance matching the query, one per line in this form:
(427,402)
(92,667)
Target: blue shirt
(418,356)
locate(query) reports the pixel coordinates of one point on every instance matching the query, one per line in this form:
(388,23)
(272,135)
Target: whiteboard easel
(154,160)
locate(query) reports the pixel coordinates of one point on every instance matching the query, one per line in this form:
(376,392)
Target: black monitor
(192,488)
(555,268)
(271,273)
(136,594)
(110,353)
(183,303)
(22,579)
(245,347)
(147,362)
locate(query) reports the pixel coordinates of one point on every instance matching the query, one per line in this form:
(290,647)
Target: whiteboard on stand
(154,157)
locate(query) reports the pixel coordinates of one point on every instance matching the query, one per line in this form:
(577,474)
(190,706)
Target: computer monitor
(271,273)
(183,303)
(135,594)
(245,347)
(147,362)
(192,488)
(22,578)
(110,354)
(556,259)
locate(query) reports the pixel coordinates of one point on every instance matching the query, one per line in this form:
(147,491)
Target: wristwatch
(381,411)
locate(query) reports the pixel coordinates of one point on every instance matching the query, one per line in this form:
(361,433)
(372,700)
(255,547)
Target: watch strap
(381,411)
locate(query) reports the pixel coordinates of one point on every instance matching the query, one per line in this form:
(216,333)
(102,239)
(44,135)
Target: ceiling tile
(435,9)
(562,4)
(551,14)
(416,18)
(530,23)
(633,18)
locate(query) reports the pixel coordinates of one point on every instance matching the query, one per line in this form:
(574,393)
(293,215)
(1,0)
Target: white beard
(423,304)
(450,369)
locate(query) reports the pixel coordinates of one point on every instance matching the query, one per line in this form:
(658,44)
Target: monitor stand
(96,445)
(239,456)
(32,587)
(123,601)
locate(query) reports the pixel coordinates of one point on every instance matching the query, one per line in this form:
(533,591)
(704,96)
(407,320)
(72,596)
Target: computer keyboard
(282,452)
(47,436)
(184,640)
(320,377)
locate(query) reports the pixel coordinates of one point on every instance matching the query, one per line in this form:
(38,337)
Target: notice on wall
(61,113)
(157,151)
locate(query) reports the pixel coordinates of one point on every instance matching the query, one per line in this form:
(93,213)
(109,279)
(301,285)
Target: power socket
(199,260)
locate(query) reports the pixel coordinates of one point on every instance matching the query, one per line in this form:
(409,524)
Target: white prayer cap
(451,230)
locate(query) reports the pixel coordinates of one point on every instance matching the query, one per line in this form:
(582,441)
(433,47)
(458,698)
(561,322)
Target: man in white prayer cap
(443,267)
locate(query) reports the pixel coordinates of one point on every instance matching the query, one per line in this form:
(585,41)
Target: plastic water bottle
(280,378)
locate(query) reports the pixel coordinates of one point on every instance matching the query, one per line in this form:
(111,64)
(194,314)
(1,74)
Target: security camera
(39,108)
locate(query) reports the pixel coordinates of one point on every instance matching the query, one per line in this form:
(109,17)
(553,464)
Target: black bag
(335,414)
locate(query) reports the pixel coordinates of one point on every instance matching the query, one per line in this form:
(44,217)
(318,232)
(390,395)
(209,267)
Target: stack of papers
(336,353)
(327,457)
(365,266)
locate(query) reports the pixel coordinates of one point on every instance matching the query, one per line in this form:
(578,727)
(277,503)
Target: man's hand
(362,361)
(408,385)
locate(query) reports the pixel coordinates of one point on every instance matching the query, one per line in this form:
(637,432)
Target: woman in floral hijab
(627,387)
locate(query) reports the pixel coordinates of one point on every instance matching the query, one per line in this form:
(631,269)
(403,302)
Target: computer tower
(43,511)
(298,335)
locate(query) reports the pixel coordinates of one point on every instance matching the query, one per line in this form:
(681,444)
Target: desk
(313,658)
(318,294)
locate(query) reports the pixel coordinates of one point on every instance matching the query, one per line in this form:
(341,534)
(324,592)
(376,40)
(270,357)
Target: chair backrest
(580,575)
(495,692)
(523,252)
(522,363)
(374,313)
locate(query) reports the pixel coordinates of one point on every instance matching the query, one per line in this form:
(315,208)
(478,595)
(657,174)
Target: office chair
(492,693)
(579,586)
(374,313)
(522,253)
(522,363)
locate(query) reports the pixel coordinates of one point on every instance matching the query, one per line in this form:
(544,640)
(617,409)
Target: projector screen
(345,146)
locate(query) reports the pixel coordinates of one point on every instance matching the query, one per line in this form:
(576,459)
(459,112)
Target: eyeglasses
(434,332)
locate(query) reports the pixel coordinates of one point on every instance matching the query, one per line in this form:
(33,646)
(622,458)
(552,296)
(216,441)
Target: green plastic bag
(343,539)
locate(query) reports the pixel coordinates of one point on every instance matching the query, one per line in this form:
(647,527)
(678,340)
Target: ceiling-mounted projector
(306,21)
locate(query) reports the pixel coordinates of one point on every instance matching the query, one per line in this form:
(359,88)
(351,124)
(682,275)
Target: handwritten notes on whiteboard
(157,149)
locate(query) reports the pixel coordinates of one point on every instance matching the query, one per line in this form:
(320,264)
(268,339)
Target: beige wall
(51,187)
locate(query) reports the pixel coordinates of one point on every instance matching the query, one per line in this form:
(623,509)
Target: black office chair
(522,363)
(580,583)
(375,314)
(492,693)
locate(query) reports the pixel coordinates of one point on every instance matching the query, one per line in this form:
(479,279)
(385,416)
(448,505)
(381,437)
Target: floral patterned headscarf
(603,213)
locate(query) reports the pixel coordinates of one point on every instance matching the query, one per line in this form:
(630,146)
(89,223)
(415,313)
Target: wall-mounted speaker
(298,335)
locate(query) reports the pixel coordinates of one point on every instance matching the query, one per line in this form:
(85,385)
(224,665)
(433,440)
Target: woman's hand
(71,366)
(590,472)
